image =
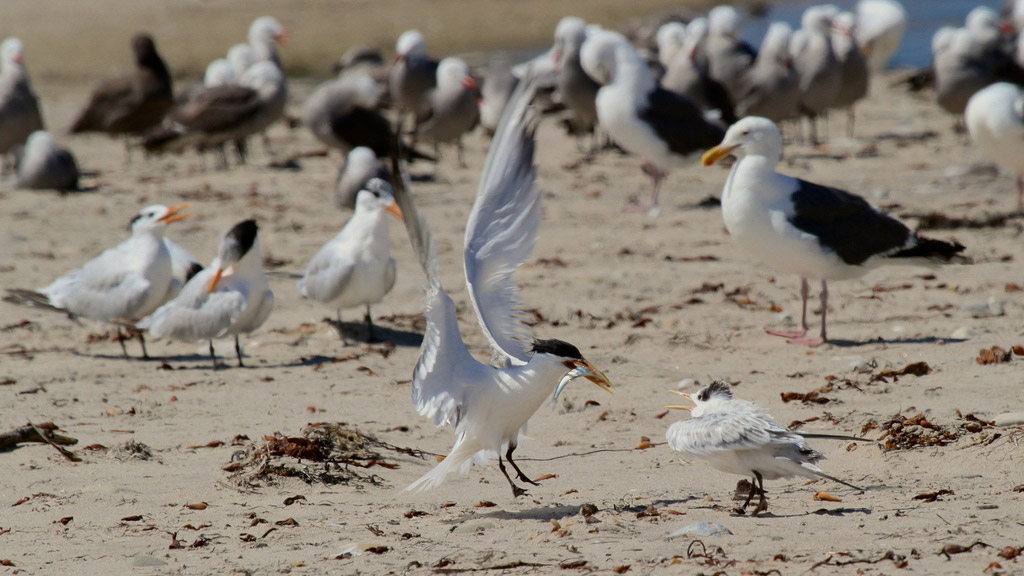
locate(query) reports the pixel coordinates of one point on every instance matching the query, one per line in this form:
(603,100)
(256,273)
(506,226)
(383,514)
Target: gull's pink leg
(805,292)
(813,342)
(656,177)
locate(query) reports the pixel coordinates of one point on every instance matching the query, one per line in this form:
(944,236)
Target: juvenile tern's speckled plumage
(738,437)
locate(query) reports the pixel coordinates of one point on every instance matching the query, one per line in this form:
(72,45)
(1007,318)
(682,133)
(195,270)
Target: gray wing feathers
(502,230)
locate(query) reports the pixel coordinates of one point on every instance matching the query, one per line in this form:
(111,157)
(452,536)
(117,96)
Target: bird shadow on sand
(356,332)
(541,513)
(876,341)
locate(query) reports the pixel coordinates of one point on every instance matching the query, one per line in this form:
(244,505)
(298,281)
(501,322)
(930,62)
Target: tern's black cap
(558,348)
(241,238)
(716,388)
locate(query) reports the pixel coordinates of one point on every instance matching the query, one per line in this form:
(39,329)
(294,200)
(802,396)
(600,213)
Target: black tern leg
(120,340)
(522,476)
(238,352)
(341,331)
(213,356)
(750,496)
(368,320)
(762,504)
(516,490)
(142,342)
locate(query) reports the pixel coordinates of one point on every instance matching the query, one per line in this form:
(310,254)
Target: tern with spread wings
(489,405)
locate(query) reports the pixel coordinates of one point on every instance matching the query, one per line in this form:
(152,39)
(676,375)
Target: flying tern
(489,404)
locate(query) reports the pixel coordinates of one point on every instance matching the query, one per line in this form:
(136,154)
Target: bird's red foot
(788,334)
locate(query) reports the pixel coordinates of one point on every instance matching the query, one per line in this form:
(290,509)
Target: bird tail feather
(31,299)
(455,461)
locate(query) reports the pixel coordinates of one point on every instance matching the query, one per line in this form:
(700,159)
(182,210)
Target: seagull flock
(695,90)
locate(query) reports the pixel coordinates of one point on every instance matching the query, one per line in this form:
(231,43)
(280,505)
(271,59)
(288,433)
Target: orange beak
(716,154)
(216,279)
(395,211)
(173,216)
(282,37)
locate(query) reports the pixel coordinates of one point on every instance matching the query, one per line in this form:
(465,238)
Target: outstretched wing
(502,230)
(445,374)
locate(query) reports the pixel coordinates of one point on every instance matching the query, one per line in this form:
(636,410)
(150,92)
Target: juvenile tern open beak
(216,279)
(717,153)
(681,407)
(395,211)
(583,369)
(172,214)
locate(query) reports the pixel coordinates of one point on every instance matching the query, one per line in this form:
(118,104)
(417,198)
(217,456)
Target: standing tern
(230,297)
(489,405)
(805,228)
(738,437)
(123,283)
(356,268)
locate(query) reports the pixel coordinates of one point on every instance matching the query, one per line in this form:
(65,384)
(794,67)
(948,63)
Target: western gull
(880,28)
(42,165)
(123,283)
(995,119)
(771,87)
(816,63)
(361,166)
(130,104)
(805,228)
(728,54)
(265,33)
(230,297)
(19,107)
(687,74)
(356,268)
(225,113)
(855,74)
(663,128)
(450,109)
(413,73)
(576,89)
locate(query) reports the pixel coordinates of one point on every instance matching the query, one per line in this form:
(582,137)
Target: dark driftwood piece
(43,433)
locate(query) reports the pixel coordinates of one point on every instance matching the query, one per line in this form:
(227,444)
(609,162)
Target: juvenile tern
(489,405)
(805,228)
(738,437)
(356,268)
(230,297)
(123,283)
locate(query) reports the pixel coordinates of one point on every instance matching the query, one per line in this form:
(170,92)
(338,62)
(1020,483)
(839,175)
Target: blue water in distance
(924,17)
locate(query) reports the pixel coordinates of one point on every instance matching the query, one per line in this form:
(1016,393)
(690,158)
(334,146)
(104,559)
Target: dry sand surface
(652,301)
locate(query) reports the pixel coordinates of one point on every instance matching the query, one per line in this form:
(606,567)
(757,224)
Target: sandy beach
(657,303)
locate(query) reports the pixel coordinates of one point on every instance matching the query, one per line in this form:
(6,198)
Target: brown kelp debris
(325,453)
(816,396)
(901,433)
(915,368)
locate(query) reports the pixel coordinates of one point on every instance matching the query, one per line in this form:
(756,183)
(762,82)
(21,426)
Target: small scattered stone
(962,333)
(474,528)
(1009,419)
(143,561)
(686,383)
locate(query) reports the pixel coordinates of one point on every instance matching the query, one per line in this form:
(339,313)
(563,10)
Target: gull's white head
(155,218)
(724,21)
(452,72)
(844,23)
(942,39)
(752,135)
(708,399)
(363,159)
(776,43)
(266,30)
(818,19)
(670,39)
(264,77)
(40,142)
(697,28)
(241,57)
(220,72)
(375,196)
(570,357)
(364,91)
(598,55)
(410,43)
(569,35)
(12,53)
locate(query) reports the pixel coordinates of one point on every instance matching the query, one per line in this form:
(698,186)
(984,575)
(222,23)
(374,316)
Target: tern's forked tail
(455,462)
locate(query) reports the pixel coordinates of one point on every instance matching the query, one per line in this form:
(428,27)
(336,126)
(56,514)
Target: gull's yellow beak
(680,407)
(583,369)
(216,279)
(717,153)
(395,211)
(172,214)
